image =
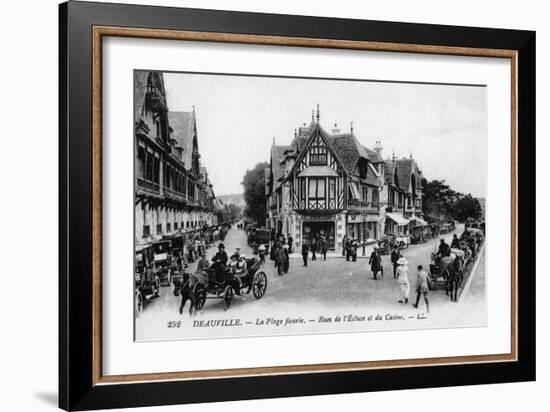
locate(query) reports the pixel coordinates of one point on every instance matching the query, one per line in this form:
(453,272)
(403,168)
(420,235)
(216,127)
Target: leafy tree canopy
(441,203)
(254,193)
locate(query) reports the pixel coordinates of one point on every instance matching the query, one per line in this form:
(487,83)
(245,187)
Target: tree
(437,198)
(254,192)
(466,207)
(228,213)
(441,203)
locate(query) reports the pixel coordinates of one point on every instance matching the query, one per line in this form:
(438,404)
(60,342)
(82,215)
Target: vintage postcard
(277,205)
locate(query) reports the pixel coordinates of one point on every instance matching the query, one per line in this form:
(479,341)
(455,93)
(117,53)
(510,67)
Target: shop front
(363,227)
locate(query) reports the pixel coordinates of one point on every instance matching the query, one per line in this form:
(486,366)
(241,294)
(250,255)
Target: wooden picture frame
(82,385)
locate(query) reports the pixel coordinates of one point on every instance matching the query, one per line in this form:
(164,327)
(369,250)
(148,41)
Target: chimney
(378,147)
(335,129)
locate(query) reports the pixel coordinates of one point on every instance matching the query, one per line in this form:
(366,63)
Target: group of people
(211,272)
(401,275)
(317,244)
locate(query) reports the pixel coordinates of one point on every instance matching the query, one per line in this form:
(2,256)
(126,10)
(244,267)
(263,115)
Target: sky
(238,117)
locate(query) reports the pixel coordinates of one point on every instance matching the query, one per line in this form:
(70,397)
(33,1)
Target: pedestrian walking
(313,249)
(290,244)
(344,245)
(354,246)
(261,253)
(348,249)
(305,252)
(375,262)
(422,286)
(280,257)
(286,264)
(323,247)
(394,257)
(403,280)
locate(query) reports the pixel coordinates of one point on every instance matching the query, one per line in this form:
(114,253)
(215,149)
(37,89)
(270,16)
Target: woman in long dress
(403,279)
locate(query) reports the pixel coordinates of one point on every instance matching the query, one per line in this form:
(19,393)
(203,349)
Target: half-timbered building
(328,184)
(172,194)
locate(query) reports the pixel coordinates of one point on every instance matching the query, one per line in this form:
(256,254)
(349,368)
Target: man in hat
(444,249)
(375,262)
(219,261)
(394,257)
(422,281)
(403,279)
(221,255)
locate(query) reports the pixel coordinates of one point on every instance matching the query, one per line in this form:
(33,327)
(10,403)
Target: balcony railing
(148,185)
(175,194)
(364,207)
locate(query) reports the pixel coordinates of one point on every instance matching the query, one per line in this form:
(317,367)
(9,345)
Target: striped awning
(397,218)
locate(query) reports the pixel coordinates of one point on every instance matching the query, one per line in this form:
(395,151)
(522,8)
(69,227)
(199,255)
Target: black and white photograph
(270,205)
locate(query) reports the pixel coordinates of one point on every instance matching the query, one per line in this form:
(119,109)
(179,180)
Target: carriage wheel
(227,297)
(200,296)
(156,287)
(138,301)
(259,284)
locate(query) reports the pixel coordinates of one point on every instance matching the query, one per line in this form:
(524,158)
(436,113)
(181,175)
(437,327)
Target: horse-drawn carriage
(222,282)
(448,271)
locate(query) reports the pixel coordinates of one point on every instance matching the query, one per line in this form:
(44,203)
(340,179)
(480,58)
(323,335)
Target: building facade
(329,184)
(172,191)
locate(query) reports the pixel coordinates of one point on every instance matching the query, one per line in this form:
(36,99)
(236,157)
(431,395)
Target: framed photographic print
(257,206)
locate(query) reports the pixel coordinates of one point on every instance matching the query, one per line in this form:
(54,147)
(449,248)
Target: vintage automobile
(387,243)
(420,234)
(447,227)
(162,257)
(222,283)
(261,237)
(251,232)
(146,281)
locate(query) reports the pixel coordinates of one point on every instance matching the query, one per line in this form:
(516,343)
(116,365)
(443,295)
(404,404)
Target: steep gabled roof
(315,128)
(403,168)
(351,150)
(404,171)
(183,124)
